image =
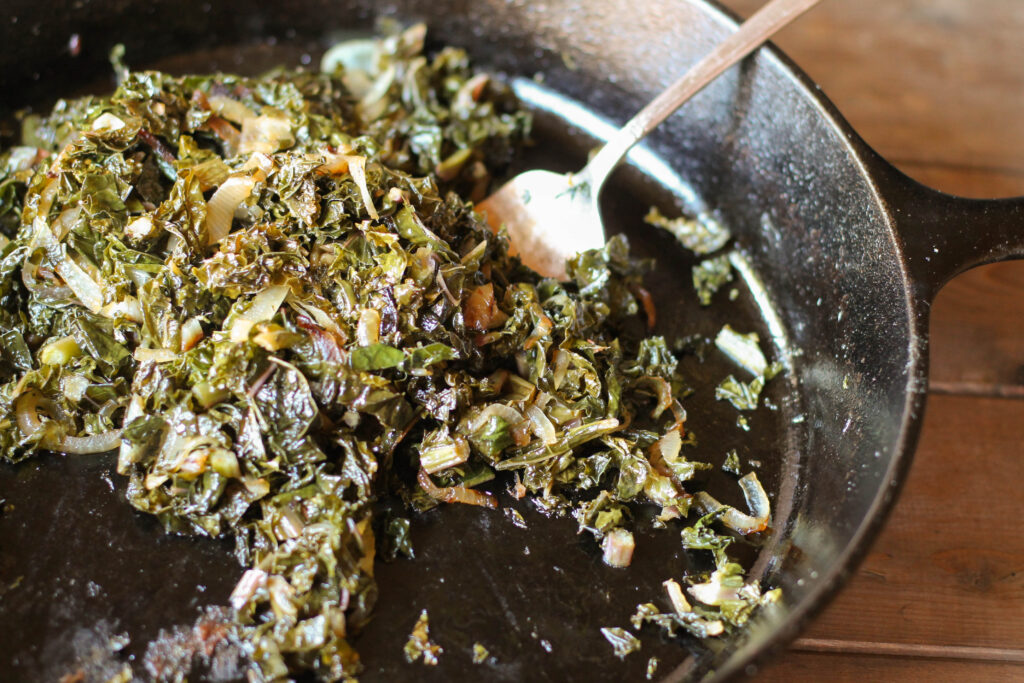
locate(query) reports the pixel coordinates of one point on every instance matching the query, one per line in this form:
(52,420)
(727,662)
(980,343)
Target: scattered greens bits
(623,642)
(419,646)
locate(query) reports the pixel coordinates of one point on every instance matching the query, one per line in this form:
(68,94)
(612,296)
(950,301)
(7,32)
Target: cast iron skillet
(843,255)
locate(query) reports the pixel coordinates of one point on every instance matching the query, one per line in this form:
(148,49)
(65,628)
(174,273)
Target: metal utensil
(552,216)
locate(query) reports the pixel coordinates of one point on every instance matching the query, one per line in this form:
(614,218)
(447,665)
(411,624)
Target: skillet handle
(943,235)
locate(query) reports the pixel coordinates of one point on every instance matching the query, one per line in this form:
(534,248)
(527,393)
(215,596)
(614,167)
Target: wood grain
(948,569)
(921,80)
(977,331)
(843,668)
(937,87)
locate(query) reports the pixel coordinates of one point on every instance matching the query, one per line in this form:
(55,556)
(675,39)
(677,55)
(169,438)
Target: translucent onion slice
(742,349)
(46,197)
(368,327)
(618,548)
(220,210)
(155,355)
(85,288)
(65,221)
(560,366)
(94,443)
(757,501)
(263,307)
(510,415)
(713,592)
(359,53)
(541,425)
(191,333)
(230,109)
(669,445)
(26,412)
(252,580)
(265,134)
(127,308)
(357,169)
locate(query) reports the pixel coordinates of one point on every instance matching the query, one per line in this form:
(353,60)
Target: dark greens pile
(273,296)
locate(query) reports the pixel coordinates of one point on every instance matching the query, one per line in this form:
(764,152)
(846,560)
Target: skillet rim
(874,170)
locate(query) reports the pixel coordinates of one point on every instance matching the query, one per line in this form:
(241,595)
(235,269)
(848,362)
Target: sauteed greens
(273,297)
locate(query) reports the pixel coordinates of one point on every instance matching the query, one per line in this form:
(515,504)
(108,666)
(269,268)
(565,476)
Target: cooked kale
(273,296)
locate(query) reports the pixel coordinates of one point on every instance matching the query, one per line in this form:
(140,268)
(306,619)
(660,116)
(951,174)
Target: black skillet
(843,257)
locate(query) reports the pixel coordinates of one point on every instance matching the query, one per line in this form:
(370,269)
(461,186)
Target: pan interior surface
(823,286)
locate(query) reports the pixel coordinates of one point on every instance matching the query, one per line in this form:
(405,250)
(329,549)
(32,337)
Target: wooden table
(937,87)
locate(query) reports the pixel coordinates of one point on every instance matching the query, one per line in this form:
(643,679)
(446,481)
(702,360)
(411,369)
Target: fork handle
(748,37)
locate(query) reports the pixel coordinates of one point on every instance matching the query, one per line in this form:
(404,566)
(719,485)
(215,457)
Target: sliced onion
(44,291)
(663,391)
(127,308)
(480,308)
(230,109)
(85,288)
(510,415)
(46,197)
(470,91)
(357,169)
(743,349)
(334,163)
(560,366)
(290,524)
(678,599)
(669,445)
(373,102)
(541,425)
(140,228)
(266,134)
(261,165)
(191,333)
(368,327)
(359,53)
(757,501)
(263,307)
(230,135)
(136,408)
(211,173)
(252,580)
(355,166)
(220,210)
(713,592)
(618,548)
(94,443)
(65,221)
(26,412)
(22,158)
(455,494)
(107,122)
(155,355)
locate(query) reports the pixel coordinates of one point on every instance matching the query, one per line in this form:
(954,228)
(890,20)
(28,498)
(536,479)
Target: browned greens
(273,297)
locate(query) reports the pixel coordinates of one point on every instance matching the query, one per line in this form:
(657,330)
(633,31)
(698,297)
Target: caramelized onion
(26,410)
